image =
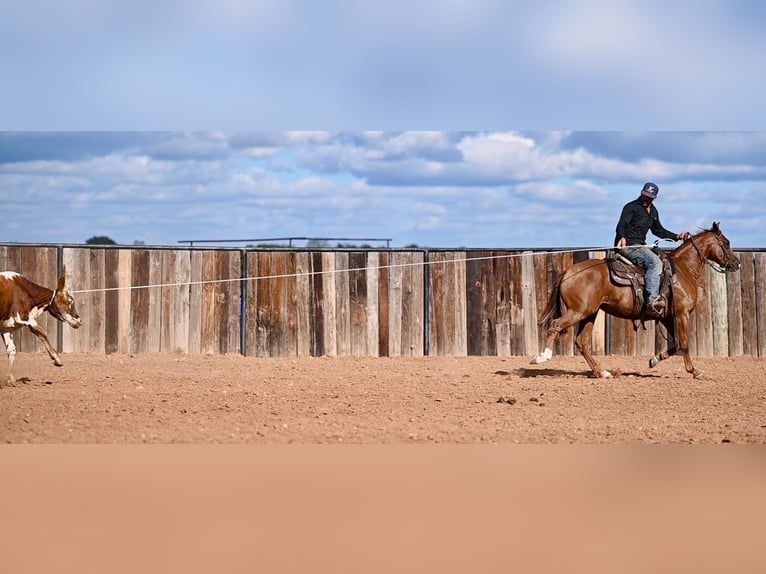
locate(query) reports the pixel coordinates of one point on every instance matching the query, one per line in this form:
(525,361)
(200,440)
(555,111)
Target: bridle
(715,266)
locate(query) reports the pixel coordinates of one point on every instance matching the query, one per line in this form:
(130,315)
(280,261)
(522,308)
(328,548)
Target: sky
(439,123)
(428,188)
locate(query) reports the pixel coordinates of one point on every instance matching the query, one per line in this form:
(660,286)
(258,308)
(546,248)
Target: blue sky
(479,123)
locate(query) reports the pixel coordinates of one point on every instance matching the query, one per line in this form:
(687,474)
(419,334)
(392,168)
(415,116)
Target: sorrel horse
(583,289)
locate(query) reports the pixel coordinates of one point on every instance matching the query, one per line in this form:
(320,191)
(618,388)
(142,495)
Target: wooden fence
(285,303)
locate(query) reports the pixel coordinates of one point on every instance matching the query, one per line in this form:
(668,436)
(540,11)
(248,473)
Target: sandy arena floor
(469,400)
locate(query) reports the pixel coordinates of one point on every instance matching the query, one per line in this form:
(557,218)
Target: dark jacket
(635,222)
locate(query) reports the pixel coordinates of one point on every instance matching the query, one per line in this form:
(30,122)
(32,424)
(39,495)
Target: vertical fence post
(59,271)
(426,305)
(243,302)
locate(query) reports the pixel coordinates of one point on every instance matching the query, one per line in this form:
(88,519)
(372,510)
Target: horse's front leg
(582,342)
(682,321)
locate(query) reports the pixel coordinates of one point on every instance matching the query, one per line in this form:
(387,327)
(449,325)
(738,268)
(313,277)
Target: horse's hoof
(699,376)
(653,362)
(606,375)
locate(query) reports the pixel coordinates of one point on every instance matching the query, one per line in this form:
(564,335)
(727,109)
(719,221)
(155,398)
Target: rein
(713,265)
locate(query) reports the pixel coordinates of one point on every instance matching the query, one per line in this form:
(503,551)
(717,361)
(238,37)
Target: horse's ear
(716,227)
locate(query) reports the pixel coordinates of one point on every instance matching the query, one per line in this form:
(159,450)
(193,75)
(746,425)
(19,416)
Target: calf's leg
(10,348)
(48,347)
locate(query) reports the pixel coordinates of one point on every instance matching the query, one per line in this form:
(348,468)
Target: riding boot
(656,308)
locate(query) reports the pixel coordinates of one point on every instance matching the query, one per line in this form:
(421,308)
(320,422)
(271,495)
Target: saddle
(624,273)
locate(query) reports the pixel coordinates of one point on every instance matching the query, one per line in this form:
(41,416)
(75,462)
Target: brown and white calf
(22,302)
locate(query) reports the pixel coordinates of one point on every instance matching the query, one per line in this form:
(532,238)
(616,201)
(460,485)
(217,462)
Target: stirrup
(656,306)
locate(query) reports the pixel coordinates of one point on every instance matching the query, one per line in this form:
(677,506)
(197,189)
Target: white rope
(312,273)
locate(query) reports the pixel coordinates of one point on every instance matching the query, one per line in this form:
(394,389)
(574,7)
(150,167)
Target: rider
(637,218)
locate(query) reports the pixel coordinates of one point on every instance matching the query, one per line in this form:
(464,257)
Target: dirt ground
(155,398)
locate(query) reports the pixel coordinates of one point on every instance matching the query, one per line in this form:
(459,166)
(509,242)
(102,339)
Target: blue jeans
(644,256)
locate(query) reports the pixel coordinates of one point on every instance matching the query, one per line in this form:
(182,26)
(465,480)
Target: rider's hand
(621,243)
(684,235)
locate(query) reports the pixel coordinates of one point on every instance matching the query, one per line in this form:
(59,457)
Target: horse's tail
(553,308)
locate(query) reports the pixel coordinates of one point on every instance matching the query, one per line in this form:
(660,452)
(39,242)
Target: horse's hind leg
(556,327)
(670,336)
(582,342)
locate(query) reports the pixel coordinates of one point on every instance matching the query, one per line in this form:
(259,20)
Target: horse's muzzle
(732,265)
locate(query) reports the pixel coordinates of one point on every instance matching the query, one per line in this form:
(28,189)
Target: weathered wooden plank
(759,260)
(357,286)
(383,304)
(502,304)
(734,319)
(407,305)
(440,295)
(223,289)
(303,304)
(516,307)
(111,300)
(719,313)
(617,342)
(395,305)
(749,326)
(479,286)
(288,345)
(372,275)
(452,329)
(316,314)
(489,309)
(417,304)
(167,303)
(457,316)
(81,274)
(155,306)
(208,325)
(251,332)
(181,302)
(196,300)
(139,302)
(261,289)
(96,342)
(474,307)
(529,298)
(342,304)
(227,301)
(275,295)
(124,299)
(329,304)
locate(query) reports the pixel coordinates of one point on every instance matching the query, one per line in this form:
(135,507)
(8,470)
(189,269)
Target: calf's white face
(62,307)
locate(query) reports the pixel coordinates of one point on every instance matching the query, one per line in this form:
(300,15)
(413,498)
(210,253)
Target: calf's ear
(62,281)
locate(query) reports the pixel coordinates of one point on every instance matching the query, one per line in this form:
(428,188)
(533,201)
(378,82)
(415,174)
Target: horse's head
(62,305)
(717,250)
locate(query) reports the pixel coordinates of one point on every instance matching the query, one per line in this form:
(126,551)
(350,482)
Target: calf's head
(62,306)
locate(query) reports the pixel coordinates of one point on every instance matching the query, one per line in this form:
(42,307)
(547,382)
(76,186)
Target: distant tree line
(105,240)
(311,244)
